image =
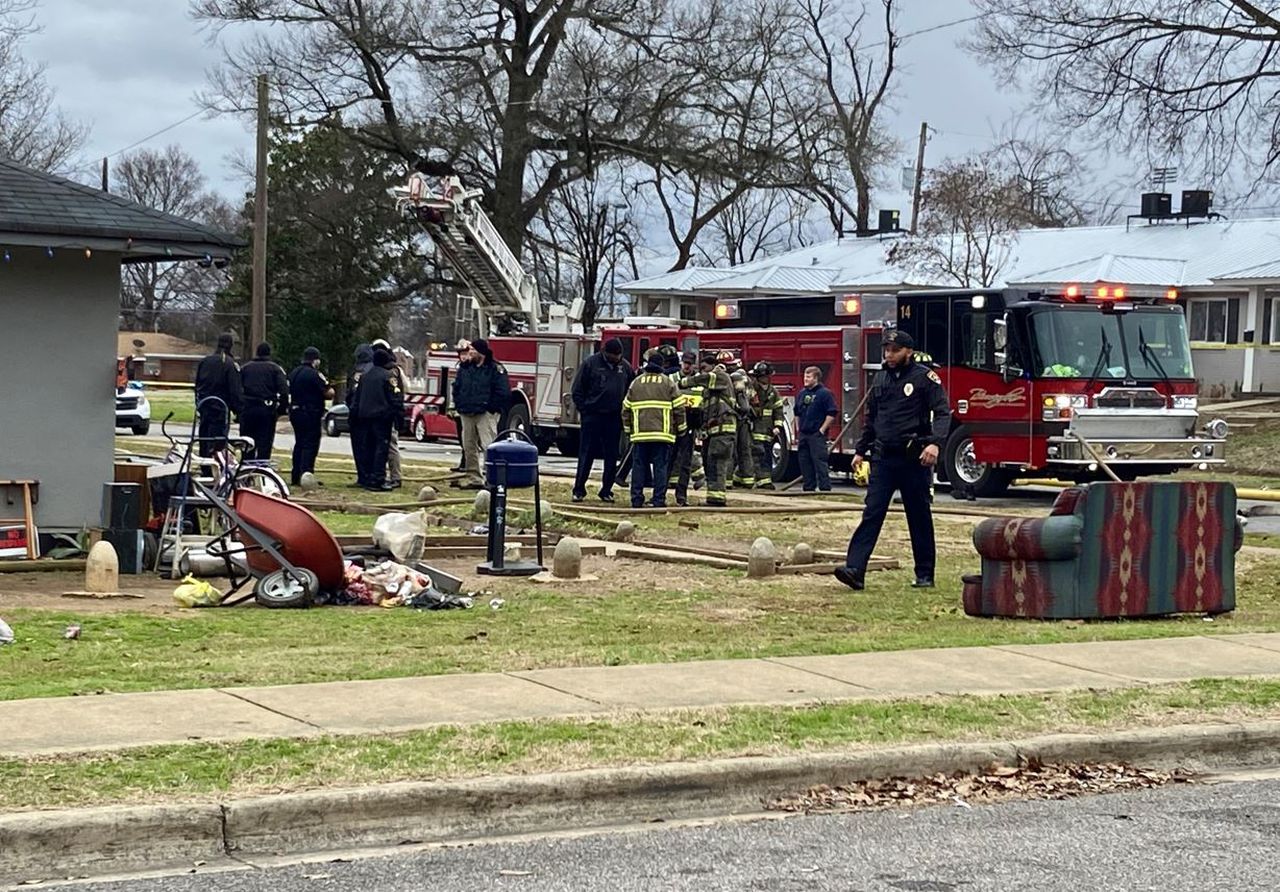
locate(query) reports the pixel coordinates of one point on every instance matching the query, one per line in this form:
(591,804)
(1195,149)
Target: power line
(152,136)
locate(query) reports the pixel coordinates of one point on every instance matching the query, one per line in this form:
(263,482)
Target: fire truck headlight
(1217,429)
(1058,407)
(1185,402)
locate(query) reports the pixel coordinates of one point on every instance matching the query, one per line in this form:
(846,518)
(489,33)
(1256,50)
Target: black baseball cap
(897,338)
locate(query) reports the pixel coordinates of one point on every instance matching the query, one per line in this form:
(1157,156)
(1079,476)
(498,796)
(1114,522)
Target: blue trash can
(520,458)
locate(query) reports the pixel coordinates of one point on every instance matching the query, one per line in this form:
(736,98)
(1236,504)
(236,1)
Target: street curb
(57,844)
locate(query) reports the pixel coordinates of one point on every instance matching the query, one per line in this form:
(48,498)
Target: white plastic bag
(6,633)
(401,534)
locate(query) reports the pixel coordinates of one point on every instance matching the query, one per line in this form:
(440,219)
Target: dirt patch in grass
(45,591)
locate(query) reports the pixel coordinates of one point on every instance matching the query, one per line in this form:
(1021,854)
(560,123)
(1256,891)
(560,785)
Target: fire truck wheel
(786,461)
(517,419)
(963,469)
(420,429)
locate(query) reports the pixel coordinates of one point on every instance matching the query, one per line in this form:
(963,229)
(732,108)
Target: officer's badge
(933,376)
(909,389)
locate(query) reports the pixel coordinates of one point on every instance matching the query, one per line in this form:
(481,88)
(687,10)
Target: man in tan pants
(480,394)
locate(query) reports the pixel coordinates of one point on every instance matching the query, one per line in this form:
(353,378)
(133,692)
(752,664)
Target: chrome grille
(1130,398)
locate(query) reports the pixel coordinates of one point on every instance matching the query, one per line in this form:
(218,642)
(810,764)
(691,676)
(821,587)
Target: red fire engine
(1040,384)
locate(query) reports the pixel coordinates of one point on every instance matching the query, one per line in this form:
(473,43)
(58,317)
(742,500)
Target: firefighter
(217,375)
(768,419)
(652,416)
(746,403)
(907,421)
(719,431)
(265,393)
(682,452)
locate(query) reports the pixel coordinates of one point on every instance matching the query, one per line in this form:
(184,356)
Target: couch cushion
(1068,499)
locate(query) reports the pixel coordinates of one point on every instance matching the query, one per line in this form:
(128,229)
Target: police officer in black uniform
(266,398)
(381,403)
(217,375)
(907,421)
(308,389)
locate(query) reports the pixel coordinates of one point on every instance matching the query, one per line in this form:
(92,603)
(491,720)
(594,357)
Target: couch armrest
(1029,538)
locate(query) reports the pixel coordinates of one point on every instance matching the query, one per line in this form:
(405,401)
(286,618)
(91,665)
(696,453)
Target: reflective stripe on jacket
(653,410)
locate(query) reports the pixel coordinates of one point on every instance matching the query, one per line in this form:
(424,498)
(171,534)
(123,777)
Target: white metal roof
(1199,254)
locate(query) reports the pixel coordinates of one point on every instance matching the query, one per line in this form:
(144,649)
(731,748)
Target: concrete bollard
(428,494)
(481,505)
(309,482)
(762,561)
(625,532)
(102,570)
(547,510)
(512,553)
(802,553)
(567,563)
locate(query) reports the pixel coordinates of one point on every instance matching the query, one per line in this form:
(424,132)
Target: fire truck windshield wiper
(1104,358)
(1146,352)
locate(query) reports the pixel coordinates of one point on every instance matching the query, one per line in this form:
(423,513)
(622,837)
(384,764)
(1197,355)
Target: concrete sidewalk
(117,721)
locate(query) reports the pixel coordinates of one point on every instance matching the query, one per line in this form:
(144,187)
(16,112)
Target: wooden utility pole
(258,316)
(915,197)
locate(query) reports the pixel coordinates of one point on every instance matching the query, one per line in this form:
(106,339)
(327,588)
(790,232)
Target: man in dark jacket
(359,436)
(815,415)
(217,376)
(265,397)
(380,402)
(599,388)
(308,389)
(907,421)
(481,392)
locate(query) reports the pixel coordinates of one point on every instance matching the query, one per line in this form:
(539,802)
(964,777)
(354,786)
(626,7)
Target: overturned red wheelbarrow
(291,556)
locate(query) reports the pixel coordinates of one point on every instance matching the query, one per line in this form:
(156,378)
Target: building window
(1271,322)
(688,311)
(151,368)
(1207,320)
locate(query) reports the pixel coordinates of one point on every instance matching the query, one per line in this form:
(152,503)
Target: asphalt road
(1192,838)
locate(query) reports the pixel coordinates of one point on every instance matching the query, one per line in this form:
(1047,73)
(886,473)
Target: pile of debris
(998,783)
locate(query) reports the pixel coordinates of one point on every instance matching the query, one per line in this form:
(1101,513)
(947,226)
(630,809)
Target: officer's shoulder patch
(933,376)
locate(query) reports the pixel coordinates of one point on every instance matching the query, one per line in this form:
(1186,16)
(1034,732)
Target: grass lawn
(180,402)
(639,612)
(194,772)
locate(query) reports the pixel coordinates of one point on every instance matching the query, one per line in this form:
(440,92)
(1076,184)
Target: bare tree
(971,211)
(519,96)
(1190,78)
(759,223)
(168,180)
(845,143)
(32,131)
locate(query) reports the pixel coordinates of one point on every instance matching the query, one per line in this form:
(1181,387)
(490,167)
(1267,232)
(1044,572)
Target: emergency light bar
(1114,293)
(727,309)
(849,305)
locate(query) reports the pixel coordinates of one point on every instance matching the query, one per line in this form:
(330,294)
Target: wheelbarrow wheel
(279,590)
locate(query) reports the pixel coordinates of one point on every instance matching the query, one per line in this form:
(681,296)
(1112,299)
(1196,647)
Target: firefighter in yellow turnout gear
(682,454)
(653,416)
(767,417)
(719,431)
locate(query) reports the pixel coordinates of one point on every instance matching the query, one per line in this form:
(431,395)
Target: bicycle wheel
(263,480)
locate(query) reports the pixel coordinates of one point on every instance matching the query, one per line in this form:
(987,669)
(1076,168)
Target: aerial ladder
(503,294)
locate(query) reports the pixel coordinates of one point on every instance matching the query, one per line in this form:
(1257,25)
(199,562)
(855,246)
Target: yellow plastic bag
(196,593)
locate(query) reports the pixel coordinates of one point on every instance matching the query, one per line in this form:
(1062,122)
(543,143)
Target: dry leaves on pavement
(997,783)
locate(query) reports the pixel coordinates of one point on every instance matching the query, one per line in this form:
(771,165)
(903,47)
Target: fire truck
(1040,383)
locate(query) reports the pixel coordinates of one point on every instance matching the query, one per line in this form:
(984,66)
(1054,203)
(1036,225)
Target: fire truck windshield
(1073,342)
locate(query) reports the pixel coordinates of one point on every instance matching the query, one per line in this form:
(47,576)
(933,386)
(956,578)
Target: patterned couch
(1112,550)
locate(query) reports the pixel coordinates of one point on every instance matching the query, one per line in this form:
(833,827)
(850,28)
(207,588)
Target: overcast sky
(129,68)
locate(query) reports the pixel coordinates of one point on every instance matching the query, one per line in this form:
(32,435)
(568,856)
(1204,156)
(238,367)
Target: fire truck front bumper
(1184,452)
